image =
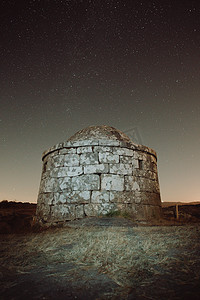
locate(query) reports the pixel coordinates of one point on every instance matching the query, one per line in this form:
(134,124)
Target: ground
(102,258)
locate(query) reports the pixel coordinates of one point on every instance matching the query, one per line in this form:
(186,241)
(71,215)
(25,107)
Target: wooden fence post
(177,214)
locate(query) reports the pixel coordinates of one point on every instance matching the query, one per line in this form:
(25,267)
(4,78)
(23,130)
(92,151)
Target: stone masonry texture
(97,171)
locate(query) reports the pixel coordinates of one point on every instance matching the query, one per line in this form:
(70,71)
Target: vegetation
(140,261)
(111,259)
(119,213)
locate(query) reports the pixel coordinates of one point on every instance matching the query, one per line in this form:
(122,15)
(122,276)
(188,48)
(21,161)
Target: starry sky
(66,65)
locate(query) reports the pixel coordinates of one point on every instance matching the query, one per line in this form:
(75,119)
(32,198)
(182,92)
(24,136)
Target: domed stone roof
(102,132)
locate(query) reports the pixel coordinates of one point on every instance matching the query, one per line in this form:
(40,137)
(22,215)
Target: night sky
(66,65)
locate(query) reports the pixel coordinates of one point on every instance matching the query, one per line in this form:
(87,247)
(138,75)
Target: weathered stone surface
(100,168)
(49,154)
(57,161)
(122,197)
(42,212)
(99,209)
(89,210)
(148,212)
(103,149)
(124,169)
(108,157)
(74,171)
(123,151)
(89,159)
(150,198)
(149,185)
(100,197)
(47,185)
(74,197)
(85,182)
(131,183)
(109,143)
(45,198)
(67,151)
(128,144)
(71,160)
(84,149)
(125,159)
(63,212)
(80,212)
(82,143)
(63,184)
(112,182)
(104,208)
(67,171)
(59,198)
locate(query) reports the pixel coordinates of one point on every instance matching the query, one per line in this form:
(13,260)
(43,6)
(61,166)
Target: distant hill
(14,204)
(167,204)
(16,217)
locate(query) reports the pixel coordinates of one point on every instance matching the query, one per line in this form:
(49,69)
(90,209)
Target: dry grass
(134,258)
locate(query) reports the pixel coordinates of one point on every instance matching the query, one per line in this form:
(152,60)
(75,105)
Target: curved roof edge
(115,143)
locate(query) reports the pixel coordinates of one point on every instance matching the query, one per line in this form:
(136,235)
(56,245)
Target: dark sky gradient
(65,65)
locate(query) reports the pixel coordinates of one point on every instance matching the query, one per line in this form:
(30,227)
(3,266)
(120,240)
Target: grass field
(102,262)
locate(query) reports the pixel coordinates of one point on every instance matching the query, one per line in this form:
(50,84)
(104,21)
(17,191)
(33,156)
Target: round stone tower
(97,171)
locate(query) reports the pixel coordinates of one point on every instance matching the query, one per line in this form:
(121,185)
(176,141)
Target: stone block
(74,171)
(109,143)
(81,150)
(47,185)
(67,151)
(122,197)
(100,197)
(100,168)
(67,171)
(103,149)
(150,198)
(135,164)
(98,209)
(125,159)
(129,145)
(123,169)
(112,182)
(77,197)
(59,172)
(45,198)
(57,161)
(105,208)
(149,185)
(79,212)
(122,151)
(86,182)
(71,160)
(89,210)
(43,212)
(63,212)
(108,157)
(63,184)
(89,159)
(59,198)
(82,143)
(131,183)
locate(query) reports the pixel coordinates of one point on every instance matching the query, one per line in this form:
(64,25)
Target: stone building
(97,171)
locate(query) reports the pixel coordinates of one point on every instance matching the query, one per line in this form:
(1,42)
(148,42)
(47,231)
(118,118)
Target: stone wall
(94,177)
